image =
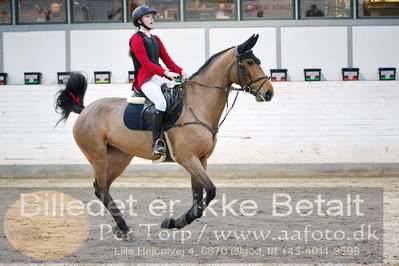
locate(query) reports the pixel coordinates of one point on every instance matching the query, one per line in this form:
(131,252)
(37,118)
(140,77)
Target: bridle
(244,72)
(241,72)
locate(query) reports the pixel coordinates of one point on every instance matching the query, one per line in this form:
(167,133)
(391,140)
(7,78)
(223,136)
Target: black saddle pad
(133,118)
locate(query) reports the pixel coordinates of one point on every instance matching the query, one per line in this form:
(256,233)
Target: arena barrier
(321,126)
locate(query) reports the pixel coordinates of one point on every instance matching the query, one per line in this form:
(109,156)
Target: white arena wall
(323,123)
(299,47)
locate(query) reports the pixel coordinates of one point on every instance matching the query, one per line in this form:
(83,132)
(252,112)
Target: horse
(110,146)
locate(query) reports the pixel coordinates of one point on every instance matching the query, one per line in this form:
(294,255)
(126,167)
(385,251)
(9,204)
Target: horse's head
(248,73)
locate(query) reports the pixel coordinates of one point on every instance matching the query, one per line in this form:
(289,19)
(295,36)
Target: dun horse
(109,145)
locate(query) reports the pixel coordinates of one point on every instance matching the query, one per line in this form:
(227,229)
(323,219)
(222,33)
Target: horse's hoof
(125,236)
(168,223)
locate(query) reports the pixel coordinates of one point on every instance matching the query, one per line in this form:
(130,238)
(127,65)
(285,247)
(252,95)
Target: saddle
(139,111)
(173,93)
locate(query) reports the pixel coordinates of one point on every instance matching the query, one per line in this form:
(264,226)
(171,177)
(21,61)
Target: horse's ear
(248,44)
(256,37)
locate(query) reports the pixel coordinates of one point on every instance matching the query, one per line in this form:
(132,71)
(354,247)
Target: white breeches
(152,89)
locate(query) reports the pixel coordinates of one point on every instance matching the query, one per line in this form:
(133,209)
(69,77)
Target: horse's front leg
(199,181)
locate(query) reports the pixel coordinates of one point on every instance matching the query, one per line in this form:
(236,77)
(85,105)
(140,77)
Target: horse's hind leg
(117,161)
(199,181)
(107,168)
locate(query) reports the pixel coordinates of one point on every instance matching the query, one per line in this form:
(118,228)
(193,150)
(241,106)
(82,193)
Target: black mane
(208,62)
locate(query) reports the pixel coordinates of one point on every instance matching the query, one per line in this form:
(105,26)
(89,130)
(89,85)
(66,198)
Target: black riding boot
(158,147)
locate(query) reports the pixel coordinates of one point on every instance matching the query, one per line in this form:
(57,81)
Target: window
(210,10)
(40,11)
(378,8)
(96,10)
(166,9)
(5,11)
(325,8)
(264,9)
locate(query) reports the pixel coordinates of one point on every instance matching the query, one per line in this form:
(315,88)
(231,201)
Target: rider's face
(148,20)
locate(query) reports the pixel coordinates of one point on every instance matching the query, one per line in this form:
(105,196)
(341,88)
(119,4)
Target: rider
(146,49)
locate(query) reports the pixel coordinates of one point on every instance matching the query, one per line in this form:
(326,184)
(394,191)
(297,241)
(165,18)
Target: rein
(247,88)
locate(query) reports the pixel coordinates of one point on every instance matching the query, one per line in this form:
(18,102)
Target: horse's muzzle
(266,97)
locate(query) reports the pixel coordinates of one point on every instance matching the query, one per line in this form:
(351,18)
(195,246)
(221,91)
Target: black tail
(70,98)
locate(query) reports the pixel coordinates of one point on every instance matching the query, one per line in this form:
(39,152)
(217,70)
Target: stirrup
(159,149)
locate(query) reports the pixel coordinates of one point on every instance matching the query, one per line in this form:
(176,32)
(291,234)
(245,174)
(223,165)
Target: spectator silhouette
(52,14)
(56,13)
(314,12)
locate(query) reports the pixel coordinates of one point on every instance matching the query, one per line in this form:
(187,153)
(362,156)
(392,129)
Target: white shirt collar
(146,32)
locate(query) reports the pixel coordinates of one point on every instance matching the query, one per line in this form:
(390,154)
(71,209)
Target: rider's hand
(185,74)
(171,75)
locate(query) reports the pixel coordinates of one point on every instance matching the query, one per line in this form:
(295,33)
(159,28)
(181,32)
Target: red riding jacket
(148,68)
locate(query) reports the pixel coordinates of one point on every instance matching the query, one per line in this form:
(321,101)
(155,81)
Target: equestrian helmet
(139,12)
